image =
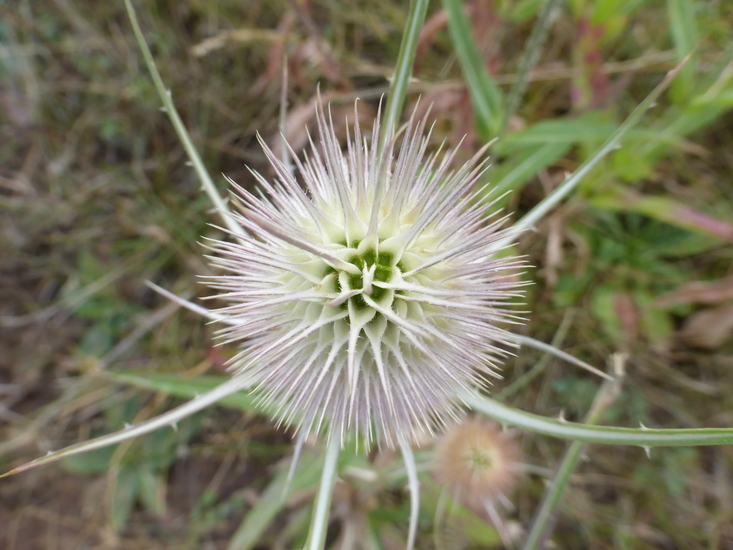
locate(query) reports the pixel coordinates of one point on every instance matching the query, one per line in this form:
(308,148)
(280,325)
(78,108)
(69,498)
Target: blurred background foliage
(96,198)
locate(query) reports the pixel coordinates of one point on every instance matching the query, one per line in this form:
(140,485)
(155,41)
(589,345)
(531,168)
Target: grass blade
(612,143)
(686,37)
(547,14)
(485,94)
(272,502)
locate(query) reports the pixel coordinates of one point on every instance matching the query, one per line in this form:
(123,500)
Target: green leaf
(91,463)
(656,323)
(633,164)
(178,386)
(461,522)
(523,10)
(273,500)
(571,288)
(587,129)
(603,306)
(513,174)
(123,497)
(486,97)
(151,489)
(665,210)
(686,37)
(565,131)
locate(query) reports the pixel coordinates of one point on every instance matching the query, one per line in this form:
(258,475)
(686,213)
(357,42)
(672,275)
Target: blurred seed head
(369,294)
(477,462)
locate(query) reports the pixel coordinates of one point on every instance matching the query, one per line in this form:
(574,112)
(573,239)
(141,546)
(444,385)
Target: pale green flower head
(369,294)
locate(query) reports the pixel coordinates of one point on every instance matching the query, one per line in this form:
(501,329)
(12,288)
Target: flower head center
(482,460)
(374,270)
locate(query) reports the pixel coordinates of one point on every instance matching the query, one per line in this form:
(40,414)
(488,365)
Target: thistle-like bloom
(366,300)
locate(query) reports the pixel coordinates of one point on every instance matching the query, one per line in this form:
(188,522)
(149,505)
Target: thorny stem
(604,398)
(613,143)
(168,106)
(231,386)
(562,429)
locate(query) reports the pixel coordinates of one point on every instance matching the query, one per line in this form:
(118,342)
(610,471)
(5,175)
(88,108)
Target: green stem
(606,395)
(640,437)
(319,521)
(613,143)
(403,70)
(540,366)
(165,96)
(414,483)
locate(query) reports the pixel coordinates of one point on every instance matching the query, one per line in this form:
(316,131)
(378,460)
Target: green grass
(96,198)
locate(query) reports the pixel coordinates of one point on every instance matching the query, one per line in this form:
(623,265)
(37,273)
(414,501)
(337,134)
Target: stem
(540,366)
(641,437)
(605,397)
(408,458)
(613,143)
(165,96)
(403,70)
(319,521)
(552,350)
(231,386)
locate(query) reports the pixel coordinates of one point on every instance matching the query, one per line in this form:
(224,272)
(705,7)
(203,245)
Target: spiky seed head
(477,462)
(369,294)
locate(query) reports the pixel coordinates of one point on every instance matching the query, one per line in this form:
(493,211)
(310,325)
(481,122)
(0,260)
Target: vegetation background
(96,198)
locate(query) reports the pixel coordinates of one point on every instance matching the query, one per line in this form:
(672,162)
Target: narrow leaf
(486,96)
(272,501)
(685,37)
(231,386)
(539,211)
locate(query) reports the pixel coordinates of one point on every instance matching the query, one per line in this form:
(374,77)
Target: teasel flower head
(369,295)
(477,462)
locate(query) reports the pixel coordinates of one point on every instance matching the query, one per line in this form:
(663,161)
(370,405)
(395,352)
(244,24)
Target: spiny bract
(367,299)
